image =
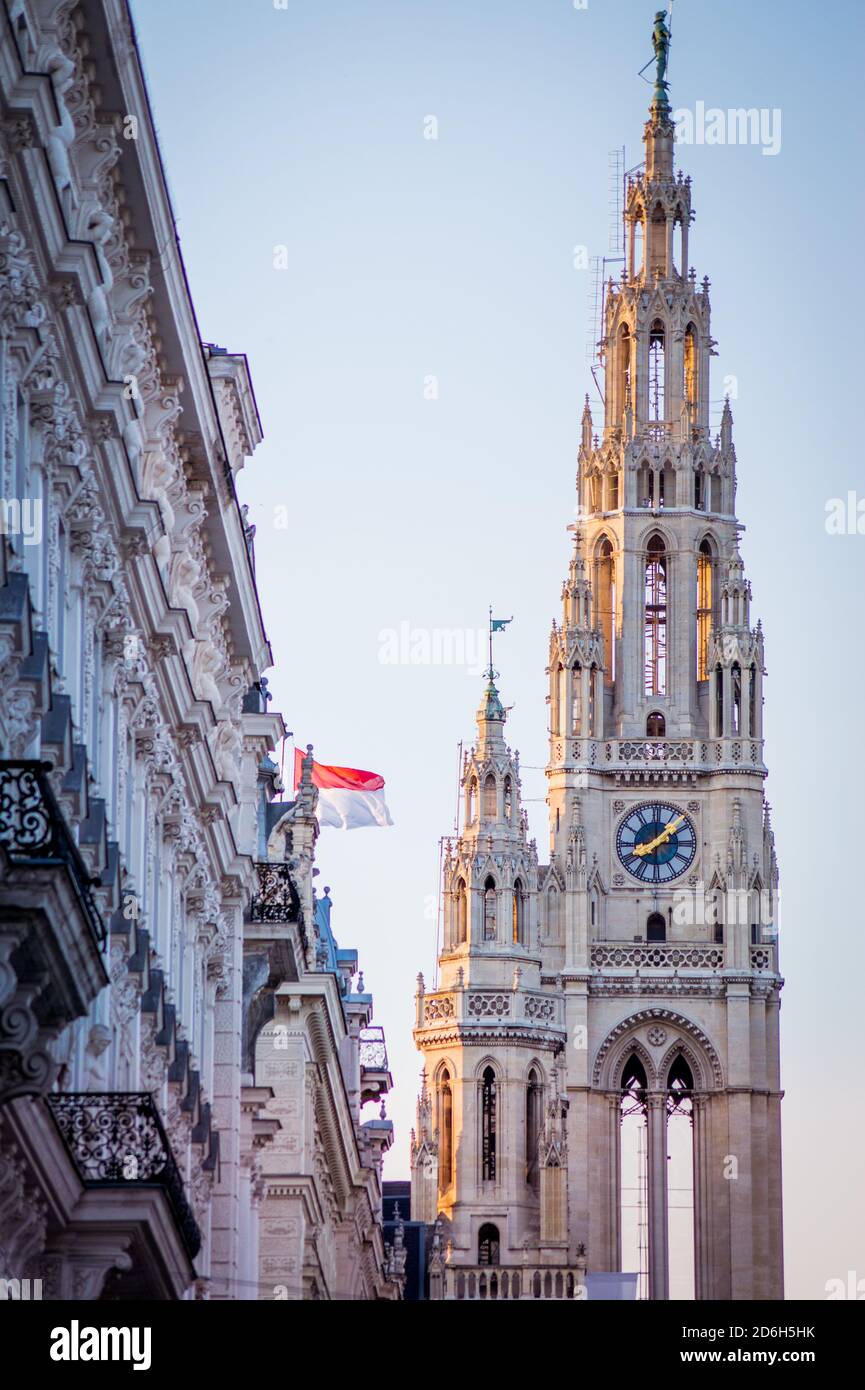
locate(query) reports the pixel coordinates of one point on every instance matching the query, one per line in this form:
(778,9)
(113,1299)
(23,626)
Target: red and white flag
(348,798)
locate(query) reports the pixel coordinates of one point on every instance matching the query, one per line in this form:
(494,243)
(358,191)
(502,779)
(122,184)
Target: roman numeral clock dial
(656,842)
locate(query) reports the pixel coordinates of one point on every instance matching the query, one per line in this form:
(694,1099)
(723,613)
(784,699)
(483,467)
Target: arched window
(534,1112)
(752,703)
(634,1083)
(624,366)
(656,927)
(690,383)
(577,700)
(473,800)
(490,809)
(655,632)
(605,604)
(488,1125)
(462,912)
(680,1085)
(488,1244)
(446,1131)
(656,726)
(490,910)
(736,690)
(519,913)
(658,241)
(657,371)
(719,701)
(704,608)
(509,799)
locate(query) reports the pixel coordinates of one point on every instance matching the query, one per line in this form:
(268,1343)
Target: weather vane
(496,625)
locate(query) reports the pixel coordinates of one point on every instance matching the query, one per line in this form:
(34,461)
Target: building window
(488,1244)
(534,1108)
(704,609)
(691,371)
(656,927)
(656,726)
(719,701)
(553,913)
(624,367)
(519,913)
(490,809)
(489,910)
(473,800)
(462,912)
(488,1125)
(446,1131)
(657,371)
(509,799)
(736,686)
(576,700)
(655,633)
(752,704)
(605,601)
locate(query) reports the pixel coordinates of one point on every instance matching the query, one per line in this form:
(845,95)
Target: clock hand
(642,850)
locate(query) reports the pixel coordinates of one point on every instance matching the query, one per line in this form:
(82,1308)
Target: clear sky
(408,258)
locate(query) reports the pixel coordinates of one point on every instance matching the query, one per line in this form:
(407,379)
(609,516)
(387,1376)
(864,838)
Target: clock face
(656,842)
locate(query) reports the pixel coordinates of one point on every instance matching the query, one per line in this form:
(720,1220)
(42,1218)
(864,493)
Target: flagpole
(491,643)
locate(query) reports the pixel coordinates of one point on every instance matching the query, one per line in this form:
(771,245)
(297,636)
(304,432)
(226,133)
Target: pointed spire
(586,423)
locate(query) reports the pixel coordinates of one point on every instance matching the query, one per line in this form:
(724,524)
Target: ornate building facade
(147,936)
(589,1009)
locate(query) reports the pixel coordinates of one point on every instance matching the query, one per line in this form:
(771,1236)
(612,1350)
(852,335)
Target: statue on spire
(661,43)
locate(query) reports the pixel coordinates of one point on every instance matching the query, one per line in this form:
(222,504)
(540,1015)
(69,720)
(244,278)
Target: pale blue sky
(408,257)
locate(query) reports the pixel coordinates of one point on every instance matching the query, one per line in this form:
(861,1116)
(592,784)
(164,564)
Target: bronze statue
(661,42)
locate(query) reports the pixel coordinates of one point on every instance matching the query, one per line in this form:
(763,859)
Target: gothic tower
(601,1084)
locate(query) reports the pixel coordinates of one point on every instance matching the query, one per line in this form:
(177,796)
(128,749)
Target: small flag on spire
(499,624)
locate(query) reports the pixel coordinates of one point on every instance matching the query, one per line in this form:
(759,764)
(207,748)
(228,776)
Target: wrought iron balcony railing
(117,1139)
(373,1050)
(277,898)
(33,830)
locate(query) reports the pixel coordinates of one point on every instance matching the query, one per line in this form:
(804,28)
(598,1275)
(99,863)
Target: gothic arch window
(644,486)
(557,712)
(624,366)
(591,713)
(534,1112)
(488,1125)
(473,800)
(719,701)
(657,371)
(680,1084)
(658,238)
(488,1244)
(577,700)
(509,799)
(704,608)
(634,1085)
(656,927)
(605,602)
(490,809)
(613,492)
(656,725)
(691,369)
(752,702)
(736,693)
(490,910)
(655,627)
(462,912)
(446,1130)
(639,240)
(519,913)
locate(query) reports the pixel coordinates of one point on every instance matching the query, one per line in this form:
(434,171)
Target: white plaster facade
(568,988)
(134,726)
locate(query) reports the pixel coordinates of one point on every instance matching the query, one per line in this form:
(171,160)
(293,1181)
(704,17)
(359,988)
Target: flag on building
(348,797)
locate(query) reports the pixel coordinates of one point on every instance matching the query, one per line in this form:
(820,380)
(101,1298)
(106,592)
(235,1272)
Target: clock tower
(601,1085)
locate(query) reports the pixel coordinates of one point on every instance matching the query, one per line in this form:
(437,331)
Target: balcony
(488,1282)
(277,899)
(474,1006)
(35,834)
(117,1140)
(375,1077)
